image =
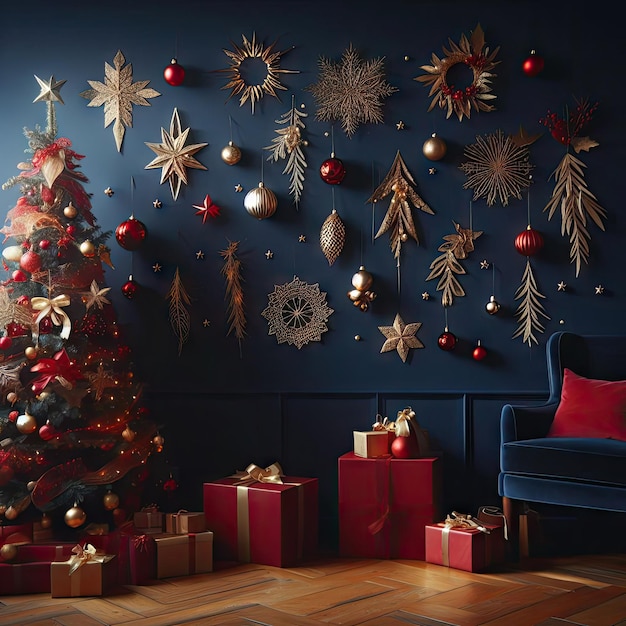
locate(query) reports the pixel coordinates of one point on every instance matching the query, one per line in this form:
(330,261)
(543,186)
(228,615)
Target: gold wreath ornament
(475,55)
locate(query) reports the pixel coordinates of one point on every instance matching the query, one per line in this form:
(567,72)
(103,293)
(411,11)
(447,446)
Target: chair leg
(512,510)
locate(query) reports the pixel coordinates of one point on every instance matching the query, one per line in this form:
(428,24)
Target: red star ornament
(207,209)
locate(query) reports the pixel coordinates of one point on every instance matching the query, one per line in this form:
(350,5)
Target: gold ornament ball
(26,424)
(70,211)
(128,434)
(11,397)
(158,440)
(11,513)
(8,551)
(492,307)
(231,154)
(46,521)
(434,148)
(30,353)
(362,280)
(87,249)
(75,517)
(111,501)
(260,202)
(31,484)
(3,509)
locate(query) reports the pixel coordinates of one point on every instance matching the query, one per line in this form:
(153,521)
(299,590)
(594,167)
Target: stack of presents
(389,491)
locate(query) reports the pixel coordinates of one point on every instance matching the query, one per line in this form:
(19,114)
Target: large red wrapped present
(113,542)
(29,570)
(474,547)
(85,573)
(385,504)
(262,516)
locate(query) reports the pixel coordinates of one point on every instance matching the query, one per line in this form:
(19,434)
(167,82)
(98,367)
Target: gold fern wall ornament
(231,270)
(179,314)
(571,195)
(288,145)
(457,246)
(530,309)
(399,218)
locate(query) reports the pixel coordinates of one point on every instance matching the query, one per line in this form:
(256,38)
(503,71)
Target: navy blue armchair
(570,471)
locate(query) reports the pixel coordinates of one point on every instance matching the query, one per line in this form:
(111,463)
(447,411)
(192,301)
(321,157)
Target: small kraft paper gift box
(86,573)
(29,570)
(384,505)
(182,555)
(185,522)
(262,516)
(149,519)
(371,444)
(464,543)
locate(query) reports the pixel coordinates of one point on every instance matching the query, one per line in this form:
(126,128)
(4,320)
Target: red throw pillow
(590,408)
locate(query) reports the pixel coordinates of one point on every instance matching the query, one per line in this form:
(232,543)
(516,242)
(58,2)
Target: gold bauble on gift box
(231,154)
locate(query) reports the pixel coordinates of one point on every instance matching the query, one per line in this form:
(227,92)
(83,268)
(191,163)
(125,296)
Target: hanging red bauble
(529,241)
(19,276)
(45,326)
(30,261)
(479,352)
(6,342)
(447,341)
(131,233)
(533,64)
(332,170)
(129,288)
(47,431)
(170,485)
(174,73)
(16,330)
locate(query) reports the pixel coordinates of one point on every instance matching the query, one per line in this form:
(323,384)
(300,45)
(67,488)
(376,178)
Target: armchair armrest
(526,422)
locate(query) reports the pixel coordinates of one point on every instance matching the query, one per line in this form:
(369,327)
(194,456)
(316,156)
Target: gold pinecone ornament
(332,236)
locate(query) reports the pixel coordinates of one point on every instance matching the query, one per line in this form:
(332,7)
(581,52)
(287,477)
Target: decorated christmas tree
(74,439)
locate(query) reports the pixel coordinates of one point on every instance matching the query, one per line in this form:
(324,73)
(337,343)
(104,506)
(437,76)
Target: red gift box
(384,505)
(468,549)
(24,530)
(267,523)
(29,571)
(142,559)
(116,543)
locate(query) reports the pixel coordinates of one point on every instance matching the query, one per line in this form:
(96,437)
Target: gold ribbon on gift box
(82,555)
(383,423)
(458,521)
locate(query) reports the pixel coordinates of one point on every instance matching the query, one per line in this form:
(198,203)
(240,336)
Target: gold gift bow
(383,424)
(402,423)
(464,520)
(53,308)
(254,473)
(84,555)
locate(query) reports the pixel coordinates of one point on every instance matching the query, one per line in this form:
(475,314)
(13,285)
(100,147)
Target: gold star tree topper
(401,337)
(173,156)
(118,93)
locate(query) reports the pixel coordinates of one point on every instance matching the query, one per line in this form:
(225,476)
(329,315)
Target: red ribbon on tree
(59,368)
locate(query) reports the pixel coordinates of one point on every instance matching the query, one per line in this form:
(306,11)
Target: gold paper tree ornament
(351,91)
(180,318)
(118,94)
(530,310)
(477,95)
(401,337)
(250,51)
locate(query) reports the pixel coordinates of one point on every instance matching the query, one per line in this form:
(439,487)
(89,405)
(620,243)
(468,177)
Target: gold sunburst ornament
(477,95)
(241,56)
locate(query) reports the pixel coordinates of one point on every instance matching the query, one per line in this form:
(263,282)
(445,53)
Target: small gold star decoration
(118,94)
(157,204)
(157,267)
(206,323)
(238,188)
(400,125)
(109,192)
(599,290)
(207,209)
(561,286)
(240,58)
(425,295)
(269,255)
(199,255)
(173,156)
(484,264)
(50,90)
(432,170)
(352,91)
(96,296)
(401,337)
(302,238)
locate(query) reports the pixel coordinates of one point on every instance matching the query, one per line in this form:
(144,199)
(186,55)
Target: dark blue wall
(223,407)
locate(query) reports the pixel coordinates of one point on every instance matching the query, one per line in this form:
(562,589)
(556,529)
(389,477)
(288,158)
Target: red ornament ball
(44,244)
(5,342)
(332,171)
(47,432)
(16,330)
(129,288)
(529,241)
(30,261)
(405,447)
(479,352)
(19,277)
(131,233)
(533,64)
(447,341)
(174,73)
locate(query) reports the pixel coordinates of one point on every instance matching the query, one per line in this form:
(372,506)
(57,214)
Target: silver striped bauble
(260,202)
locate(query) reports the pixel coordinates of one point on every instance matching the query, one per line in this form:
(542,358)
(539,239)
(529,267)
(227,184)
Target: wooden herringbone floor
(588,590)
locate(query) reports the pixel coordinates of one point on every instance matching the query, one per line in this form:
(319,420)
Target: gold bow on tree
(52,308)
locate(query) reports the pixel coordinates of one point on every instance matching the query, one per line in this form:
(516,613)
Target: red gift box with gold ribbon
(262,516)
(385,504)
(465,543)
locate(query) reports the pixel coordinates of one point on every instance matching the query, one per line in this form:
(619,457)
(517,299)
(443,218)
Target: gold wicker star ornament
(173,156)
(401,337)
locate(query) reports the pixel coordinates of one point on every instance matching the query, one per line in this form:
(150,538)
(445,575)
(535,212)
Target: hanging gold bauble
(128,434)
(362,280)
(30,353)
(11,397)
(70,211)
(492,307)
(231,154)
(158,440)
(26,424)
(434,148)
(110,500)
(8,551)
(260,202)
(31,484)
(46,521)
(75,517)
(11,513)
(332,236)
(87,249)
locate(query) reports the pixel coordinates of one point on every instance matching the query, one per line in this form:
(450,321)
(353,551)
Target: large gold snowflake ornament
(297,313)
(498,167)
(351,91)
(118,93)
(477,95)
(247,54)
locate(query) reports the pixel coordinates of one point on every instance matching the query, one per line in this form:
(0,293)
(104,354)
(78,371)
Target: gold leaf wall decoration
(179,314)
